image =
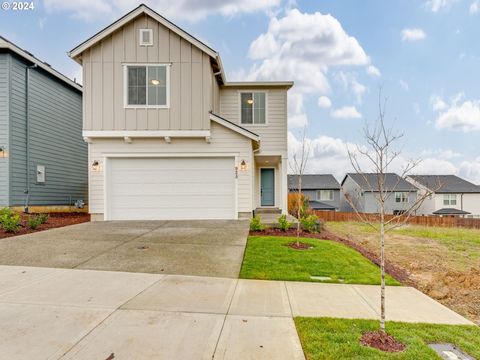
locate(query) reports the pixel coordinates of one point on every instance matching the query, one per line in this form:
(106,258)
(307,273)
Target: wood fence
(414,220)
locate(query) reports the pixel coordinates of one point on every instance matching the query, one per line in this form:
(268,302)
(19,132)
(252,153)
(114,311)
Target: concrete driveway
(206,248)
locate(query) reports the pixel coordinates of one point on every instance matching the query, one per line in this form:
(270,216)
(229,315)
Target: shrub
(42,218)
(10,222)
(34,222)
(293,205)
(311,224)
(5,212)
(283,223)
(256,224)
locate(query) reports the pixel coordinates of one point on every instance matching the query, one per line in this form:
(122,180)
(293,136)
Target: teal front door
(267,187)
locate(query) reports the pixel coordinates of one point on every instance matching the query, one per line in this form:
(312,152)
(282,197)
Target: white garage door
(170,188)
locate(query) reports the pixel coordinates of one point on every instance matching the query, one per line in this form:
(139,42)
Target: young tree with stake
(298,166)
(379,154)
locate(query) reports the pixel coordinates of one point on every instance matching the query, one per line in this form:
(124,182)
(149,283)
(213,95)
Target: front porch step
(259,211)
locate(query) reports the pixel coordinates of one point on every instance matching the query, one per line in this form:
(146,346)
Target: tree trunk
(382,272)
(299,203)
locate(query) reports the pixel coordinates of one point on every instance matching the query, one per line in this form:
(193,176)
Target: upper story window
(146,37)
(147,85)
(253,108)
(325,195)
(449,199)
(401,197)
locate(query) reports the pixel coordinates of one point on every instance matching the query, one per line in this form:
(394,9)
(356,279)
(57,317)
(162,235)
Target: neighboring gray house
(363,189)
(451,195)
(40,134)
(323,191)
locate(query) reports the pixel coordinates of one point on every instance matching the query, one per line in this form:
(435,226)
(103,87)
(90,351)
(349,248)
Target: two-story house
(449,195)
(43,158)
(360,193)
(322,190)
(168,136)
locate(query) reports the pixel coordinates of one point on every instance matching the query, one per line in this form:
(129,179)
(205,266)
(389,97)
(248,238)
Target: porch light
(2,152)
(243,166)
(95,166)
(250,101)
(155,82)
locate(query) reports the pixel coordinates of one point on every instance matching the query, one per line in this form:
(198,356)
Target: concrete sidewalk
(84,314)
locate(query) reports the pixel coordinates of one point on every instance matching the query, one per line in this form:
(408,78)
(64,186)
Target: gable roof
(314,182)
(8,45)
(369,182)
(144,9)
(235,127)
(444,184)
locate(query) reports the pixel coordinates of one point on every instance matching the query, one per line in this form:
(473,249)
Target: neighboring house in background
(43,158)
(323,191)
(168,136)
(452,196)
(362,190)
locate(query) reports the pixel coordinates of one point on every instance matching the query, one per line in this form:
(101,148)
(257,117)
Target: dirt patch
(55,220)
(446,270)
(299,246)
(381,341)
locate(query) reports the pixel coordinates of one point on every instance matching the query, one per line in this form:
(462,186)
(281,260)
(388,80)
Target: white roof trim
(5,44)
(130,16)
(234,127)
(145,133)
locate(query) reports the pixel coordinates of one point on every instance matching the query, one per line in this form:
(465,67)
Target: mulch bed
(396,272)
(382,341)
(299,246)
(55,220)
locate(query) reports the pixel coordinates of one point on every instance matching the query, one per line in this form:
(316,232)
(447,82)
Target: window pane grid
(147,85)
(252,108)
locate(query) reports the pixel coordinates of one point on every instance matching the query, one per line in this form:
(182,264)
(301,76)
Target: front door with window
(267,187)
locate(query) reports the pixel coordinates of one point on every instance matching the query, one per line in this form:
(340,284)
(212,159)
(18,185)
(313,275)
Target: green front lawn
(327,338)
(267,258)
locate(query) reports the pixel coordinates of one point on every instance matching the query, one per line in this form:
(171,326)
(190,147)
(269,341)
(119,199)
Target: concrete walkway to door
(206,248)
(83,314)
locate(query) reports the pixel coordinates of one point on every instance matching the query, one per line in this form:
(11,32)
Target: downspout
(27,137)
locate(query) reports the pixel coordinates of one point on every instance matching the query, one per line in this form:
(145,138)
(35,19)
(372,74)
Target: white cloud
(303,47)
(191,10)
(470,170)
(460,116)
(404,85)
(373,71)
(413,34)
(346,112)
(437,102)
(350,83)
(324,102)
(437,5)
(474,7)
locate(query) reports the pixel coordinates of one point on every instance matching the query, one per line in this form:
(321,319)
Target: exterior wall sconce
(243,166)
(95,166)
(2,152)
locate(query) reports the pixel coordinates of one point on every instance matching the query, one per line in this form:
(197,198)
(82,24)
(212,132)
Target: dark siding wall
(55,139)
(4,128)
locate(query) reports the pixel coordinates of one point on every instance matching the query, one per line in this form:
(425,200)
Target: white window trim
(240,92)
(125,86)
(402,193)
(319,196)
(140,37)
(449,198)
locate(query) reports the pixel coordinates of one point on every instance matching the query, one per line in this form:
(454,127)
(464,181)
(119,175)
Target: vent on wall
(146,37)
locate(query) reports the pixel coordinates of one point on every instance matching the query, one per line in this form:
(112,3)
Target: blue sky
(424,54)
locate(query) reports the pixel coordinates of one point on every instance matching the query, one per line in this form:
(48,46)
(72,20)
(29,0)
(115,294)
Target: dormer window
(253,108)
(147,85)
(146,37)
